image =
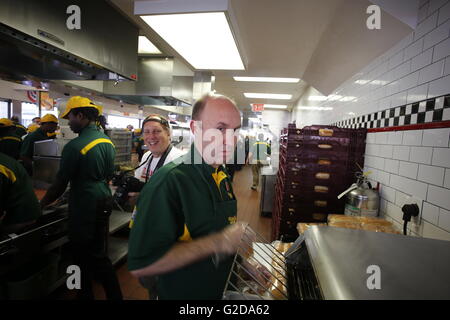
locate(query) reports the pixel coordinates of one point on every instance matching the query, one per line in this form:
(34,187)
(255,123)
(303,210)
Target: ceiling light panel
(267,79)
(146,47)
(204,40)
(275,106)
(268,96)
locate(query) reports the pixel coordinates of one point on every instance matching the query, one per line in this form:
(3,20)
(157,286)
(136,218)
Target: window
(4,109)
(122,122)
(30,111)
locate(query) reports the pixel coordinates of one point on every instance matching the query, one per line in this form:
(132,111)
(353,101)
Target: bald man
(187,212)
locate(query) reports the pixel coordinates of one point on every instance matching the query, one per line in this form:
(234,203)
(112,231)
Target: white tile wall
(441,50)
(409,186)
(431,174)
(444,220)
(386,151)
(439,196)
(430,213)
(392,166)
(415,69)
(439,87)
(436,137)
(401,152)
(447,179)
(436,35)
(421,155)
(432,72)
(422,60)
(441,157)
(412,138)
(388,193)
(444,14)
(395,137)
(426,26)
(408,169)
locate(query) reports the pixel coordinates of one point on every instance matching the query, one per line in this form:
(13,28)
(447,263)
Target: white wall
(406,163)
(276,119)
(413,163)
(417,68)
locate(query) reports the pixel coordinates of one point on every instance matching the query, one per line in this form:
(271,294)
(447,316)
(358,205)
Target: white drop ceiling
(322,42)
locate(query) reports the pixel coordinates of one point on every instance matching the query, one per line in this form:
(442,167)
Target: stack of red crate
(316,164)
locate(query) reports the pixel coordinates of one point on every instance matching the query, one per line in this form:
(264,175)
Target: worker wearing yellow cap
(32,127)
(20,129)
(87,162)
(10,143)
(49,124)
(19,206)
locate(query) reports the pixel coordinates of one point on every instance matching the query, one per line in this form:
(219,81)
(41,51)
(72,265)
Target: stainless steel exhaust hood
(35,42)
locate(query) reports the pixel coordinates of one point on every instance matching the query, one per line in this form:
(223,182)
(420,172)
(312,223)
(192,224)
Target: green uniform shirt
(20,130)
(17,198)
(182,202)
(10,144)
(27,148)
(87,162)
(260,151)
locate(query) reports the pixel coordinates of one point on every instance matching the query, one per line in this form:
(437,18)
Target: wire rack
(259,271)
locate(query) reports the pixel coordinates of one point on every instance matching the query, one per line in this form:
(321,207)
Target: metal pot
(362,200)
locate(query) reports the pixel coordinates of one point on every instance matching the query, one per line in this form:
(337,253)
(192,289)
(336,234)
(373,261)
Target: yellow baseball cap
(6,123)
(49,118)
(79,102)
(32,127)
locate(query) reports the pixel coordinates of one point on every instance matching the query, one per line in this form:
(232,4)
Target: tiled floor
(248,210)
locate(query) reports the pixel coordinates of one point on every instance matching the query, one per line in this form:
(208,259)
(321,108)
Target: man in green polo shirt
(257,158)
(49,124)
(10,143)
(87,162)
(20,129)
(186,214)
(19,206)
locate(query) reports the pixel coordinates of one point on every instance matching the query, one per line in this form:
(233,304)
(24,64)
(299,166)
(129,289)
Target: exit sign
(257,107)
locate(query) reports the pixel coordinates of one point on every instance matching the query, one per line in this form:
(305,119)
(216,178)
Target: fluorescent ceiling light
(145,46)
(315,108)
(275,106)
(203,39)
(266,79)
(347,98)
(317,98)
(268,96)
(334,97)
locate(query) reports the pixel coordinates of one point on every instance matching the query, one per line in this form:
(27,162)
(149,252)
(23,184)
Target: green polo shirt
(17,198)
(10,144)
(20,130)
(260,150)
(87,162)
(182,202)
(27,148)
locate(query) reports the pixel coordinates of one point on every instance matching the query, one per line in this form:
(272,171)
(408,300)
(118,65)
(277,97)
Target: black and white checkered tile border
(431,110)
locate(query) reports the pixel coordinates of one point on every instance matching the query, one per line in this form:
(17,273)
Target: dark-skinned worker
(20,129)
(87,162)
(49,124)
(186,214)
(19,206)
(10,143)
